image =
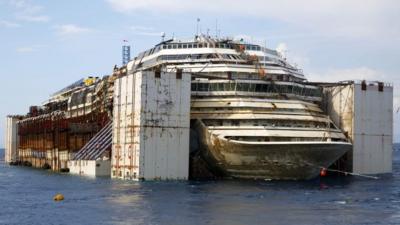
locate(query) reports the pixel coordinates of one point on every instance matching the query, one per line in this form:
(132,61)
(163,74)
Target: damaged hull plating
(262,160)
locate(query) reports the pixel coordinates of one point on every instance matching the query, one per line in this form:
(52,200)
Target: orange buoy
(322,173)
(58,197)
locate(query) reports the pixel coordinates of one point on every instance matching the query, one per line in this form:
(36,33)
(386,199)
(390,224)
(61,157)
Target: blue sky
(46,45)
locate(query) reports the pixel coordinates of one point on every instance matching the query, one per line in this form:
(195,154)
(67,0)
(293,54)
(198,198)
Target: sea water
(26,197)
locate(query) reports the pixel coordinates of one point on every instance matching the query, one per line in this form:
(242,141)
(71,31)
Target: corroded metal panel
(11,139)
(151,126)
(365,113)
(373,129)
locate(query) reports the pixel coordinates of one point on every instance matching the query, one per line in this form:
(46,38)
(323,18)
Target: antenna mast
(197,27)
(216,28)
(126,53)
(163,36)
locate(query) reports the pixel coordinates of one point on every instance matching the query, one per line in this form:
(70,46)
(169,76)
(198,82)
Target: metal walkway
(97,145)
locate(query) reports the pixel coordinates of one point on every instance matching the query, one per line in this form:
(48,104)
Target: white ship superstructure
(218,58)
(253,115)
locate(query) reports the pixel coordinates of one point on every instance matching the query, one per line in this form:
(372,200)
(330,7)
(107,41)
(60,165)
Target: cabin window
(233,86)
(283,88)
(179,46)
(252,87)
(194,87)
(220,87)
(318,93)
(290,89)
(235,123)
(258,87)
(296,90)
(179,74)
(307,92)
(226,87)
(203,86)
(157,74)
(213,87)
(264,87)
(238,87)
(184,46)
(243,87)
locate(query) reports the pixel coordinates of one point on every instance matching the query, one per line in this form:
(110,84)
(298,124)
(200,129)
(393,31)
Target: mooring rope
(341,171)
(349,173)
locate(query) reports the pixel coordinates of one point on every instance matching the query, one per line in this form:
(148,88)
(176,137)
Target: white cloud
(29,49)
(251,39)
(25,49)
(145,31)
(34,18)
(26,11)
(359,73)
(332,18)
(8,24)
(71,29)
(141,28)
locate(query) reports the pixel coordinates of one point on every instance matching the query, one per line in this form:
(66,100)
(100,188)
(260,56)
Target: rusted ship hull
(48,141)
(277,161)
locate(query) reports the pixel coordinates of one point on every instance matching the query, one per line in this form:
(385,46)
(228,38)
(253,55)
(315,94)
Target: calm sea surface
(26,197)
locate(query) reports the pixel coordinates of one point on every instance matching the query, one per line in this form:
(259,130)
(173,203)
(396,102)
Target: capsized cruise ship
(253,115)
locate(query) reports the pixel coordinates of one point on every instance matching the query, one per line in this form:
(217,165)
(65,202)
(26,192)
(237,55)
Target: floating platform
(364,111)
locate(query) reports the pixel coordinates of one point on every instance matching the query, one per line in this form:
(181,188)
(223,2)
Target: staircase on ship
(94,149)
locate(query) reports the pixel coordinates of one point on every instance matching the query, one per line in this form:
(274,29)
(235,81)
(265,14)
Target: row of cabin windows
(264,60)
(197,45)
(271,123)
(203,45)
(209,45)
(278,139)
(270,61)
(262,88)
(198,56)
(220,109)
